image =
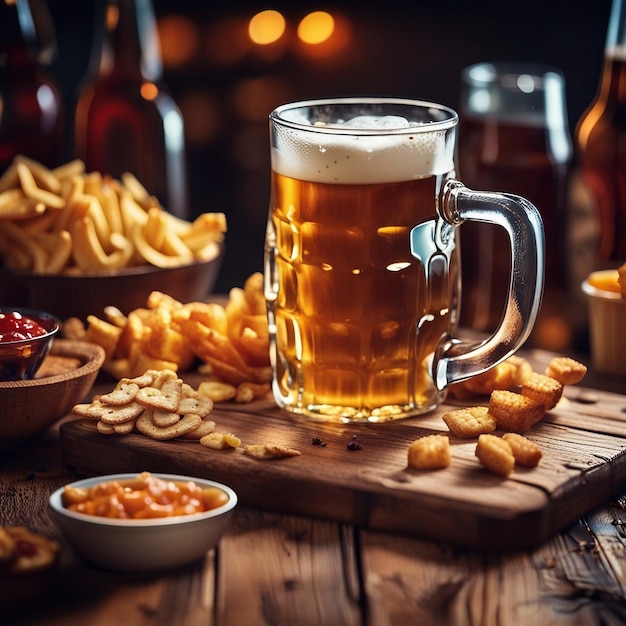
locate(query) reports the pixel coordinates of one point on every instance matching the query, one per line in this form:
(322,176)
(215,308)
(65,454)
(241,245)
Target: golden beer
(355,322)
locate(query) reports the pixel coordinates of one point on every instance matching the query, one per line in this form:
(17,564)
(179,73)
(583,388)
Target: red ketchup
(16,327)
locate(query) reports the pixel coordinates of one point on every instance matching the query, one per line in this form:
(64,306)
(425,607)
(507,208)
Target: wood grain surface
(584,464)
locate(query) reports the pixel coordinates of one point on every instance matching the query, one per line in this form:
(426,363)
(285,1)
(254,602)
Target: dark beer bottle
(125,119)
(31,112)
(601,143)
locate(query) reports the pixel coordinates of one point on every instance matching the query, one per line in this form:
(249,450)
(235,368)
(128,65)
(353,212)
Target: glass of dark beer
(362,266)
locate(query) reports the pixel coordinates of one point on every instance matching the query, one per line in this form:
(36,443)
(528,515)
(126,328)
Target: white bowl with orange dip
(142,522)
(607,321)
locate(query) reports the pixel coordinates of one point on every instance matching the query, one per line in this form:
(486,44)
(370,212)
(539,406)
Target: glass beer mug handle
(456,360)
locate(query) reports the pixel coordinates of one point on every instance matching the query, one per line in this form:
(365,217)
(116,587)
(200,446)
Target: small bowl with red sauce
(26,337)
(142,523)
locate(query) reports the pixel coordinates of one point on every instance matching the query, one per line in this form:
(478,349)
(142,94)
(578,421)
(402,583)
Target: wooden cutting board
(584,464)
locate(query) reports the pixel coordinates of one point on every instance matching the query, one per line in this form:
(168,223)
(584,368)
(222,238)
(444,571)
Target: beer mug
(362,270)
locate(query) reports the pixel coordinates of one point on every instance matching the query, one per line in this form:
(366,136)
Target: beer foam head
(361,149)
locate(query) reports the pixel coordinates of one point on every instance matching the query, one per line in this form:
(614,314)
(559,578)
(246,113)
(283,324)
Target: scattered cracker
(566,370)
(145,425)
(270,451)
(525,451)
(543,389)
(220,441)
(495,454)
(206,427)
(514,412)
(470,422)
(429,453)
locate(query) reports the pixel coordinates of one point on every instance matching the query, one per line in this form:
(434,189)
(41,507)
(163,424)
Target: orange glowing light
(266,27)
(316,27)
(149,91)
(179,40)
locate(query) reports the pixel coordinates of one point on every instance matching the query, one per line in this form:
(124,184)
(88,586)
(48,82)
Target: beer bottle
(601,143)
(125,119)
(31,109)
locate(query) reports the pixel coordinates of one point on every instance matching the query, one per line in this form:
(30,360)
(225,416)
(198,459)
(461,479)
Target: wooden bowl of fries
(81,295)
(73,242)
(28,407)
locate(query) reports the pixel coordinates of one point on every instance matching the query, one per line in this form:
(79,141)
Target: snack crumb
(354,443)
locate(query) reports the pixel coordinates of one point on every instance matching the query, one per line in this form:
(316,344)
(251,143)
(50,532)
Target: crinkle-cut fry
(566,370)
(253,289)
(226,371)
(132,213)
(9,197)
(137,190)
(155,229)
(72,192)
(36,252)
(30,188)
(104,334)
(429,453)
(208,253)
(61,254)
(152,255)
(543,389)
(158,300)
(40,223)
(43,177)
(111,206)
(526,452)
(114,316)
(23,210)
(88,253)
(100,222)
(254,348)
(495,454)
(211,347)
(133,333)
(173,245)
(514,412)
(210,314)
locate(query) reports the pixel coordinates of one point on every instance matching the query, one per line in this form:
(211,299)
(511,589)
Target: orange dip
(143,497)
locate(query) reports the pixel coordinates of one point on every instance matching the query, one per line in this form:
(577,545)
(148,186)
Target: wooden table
(271,569)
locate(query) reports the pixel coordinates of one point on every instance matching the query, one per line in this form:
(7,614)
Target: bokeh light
(266,27)
(316,27)
(179,40)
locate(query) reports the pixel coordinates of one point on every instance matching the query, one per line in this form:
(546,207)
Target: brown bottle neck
(130,47)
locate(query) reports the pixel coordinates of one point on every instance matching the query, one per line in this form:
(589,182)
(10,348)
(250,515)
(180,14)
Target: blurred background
(226,83)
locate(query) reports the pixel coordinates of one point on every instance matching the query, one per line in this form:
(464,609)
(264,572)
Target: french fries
(230,343)
(69,221)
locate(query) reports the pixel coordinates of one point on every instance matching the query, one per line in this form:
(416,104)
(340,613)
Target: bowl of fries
(72,242)
(141,539)
(66,376)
